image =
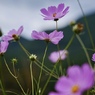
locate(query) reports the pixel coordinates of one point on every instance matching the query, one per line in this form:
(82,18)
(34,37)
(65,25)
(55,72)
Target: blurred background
(14,13)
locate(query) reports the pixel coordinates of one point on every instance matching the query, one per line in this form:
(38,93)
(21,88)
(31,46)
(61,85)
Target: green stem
(70,42)
(60,67)
(2,88)
(83,46)
(48,79)
(56,25)
(45,69)
(42,67)
(31,74)
(9,68)
(27,53)
(87,26)
(14,76)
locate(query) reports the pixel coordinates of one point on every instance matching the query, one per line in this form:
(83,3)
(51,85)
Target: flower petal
(45,12)
(93,57)
(74,73)
(65,11)
(60,7)
(20,30)
(55,36)
(88,77)
(64,85)
(55,93)
(52,10)
(3,46)
(39,35)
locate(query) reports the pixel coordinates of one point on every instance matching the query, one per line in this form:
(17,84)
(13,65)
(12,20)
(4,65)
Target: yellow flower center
(54,15)
(75,89)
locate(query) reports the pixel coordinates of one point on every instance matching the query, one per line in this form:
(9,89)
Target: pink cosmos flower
(78,80)
(13,34)
(3,47)
(53,37)
(58,55)
(93,57)
(54,13)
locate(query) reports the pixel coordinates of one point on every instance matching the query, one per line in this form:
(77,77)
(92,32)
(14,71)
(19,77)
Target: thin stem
(9,69)
(60,67)
(83,46)
(44,69)
(2,88)
(56,25)
(27,53)
(70,42)
(12,92)
(48,79)
(87,26)
(20,86)
(14,76)
(42,66)
(31,74)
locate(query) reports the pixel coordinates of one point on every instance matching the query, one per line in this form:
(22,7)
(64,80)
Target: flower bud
(14,60)
(78,28)
(32,57)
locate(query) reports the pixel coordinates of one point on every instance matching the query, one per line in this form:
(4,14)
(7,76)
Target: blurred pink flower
(53,37)
(3,47)
(93,57)
(13,34)
(58,55)
(78,80)
(54,13)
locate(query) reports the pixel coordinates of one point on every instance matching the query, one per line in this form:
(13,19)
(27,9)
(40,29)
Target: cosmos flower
(3,47)
(54,13)
(53,37)
(58,55)
(13,34)
(78,80)
(93,57)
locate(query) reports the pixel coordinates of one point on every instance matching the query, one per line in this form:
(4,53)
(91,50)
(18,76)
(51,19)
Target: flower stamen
(75,89)
(54,14)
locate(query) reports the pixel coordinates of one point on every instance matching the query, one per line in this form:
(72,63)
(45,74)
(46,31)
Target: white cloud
(14,13)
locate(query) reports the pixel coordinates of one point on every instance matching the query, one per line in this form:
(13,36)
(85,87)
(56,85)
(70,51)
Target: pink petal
(53,57)
(60,7)
(35,35)
(45,12)
(88,76)
(65,11)
(20,30)
(39,35)
(55,36)
(11,32)
(55,93)
(52,10)
(64,85)
(93,57)
(74,73)
(3,46)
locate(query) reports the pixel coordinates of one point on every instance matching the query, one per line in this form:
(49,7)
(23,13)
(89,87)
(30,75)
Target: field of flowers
(73,80)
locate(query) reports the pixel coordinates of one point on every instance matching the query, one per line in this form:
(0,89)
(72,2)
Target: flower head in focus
(93,57)
(58,55)
(13,34)
(53,37)
(54,13)
(3,47)
(78,80)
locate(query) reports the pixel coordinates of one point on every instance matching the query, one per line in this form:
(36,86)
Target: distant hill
(37,47)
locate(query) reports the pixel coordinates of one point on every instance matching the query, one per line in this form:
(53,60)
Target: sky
(26,13)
